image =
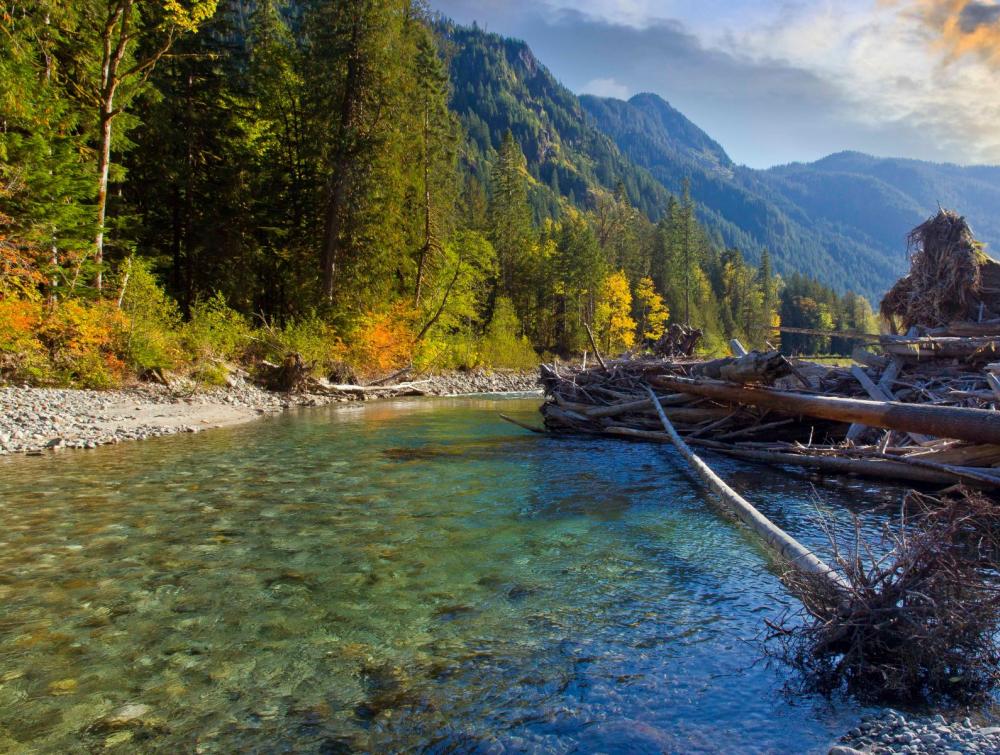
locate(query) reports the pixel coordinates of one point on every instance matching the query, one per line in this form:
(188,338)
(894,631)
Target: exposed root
(945,279)
(918,623)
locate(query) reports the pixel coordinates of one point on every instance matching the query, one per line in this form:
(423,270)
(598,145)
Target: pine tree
(358,82)
(45,183)
(438,138)
(510,225)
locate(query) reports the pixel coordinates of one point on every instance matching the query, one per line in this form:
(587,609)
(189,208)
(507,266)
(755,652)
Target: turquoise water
(414,575)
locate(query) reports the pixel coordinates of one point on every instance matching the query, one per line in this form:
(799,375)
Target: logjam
(919,407)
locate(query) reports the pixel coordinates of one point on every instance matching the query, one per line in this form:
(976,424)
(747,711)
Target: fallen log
(884,470)
(789,548)
(635,406)
(974,425)
(968,349)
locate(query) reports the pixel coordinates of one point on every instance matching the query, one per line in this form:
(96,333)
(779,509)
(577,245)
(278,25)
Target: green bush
(216,331)
(153,334)
(314,339)
(501,346)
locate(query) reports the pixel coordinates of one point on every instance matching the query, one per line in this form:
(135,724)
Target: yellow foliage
(613,314)
(653,313)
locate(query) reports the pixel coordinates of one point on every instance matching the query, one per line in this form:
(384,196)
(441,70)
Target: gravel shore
(892,732)
(37,420)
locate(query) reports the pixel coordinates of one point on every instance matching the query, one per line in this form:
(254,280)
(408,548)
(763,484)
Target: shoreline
(34,421)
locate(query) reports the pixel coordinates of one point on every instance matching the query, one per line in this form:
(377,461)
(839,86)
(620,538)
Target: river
(409,575)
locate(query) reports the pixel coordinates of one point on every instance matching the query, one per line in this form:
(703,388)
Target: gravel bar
(37,420)
(893,732)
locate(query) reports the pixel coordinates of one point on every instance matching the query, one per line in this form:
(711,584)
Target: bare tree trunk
(117,23)
(331,238)
(337,195)
(444,302)
(103,170)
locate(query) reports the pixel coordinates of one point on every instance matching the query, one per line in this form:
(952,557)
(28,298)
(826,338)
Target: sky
(782,81)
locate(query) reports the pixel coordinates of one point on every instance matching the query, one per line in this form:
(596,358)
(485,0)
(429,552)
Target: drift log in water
(788,547)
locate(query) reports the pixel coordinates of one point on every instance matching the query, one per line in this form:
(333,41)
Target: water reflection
(409,575)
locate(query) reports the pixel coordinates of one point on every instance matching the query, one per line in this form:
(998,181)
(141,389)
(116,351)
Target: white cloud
(888,69)
(606,87)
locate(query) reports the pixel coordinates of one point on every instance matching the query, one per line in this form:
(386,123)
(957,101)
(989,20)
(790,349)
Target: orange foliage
(383,341)
(69,341)
(19,275)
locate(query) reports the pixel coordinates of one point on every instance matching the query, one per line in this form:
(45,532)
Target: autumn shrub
(22,355)
(383,341)
(82,343)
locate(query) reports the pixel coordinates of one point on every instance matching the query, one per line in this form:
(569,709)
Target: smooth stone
(841,750)
(127,713)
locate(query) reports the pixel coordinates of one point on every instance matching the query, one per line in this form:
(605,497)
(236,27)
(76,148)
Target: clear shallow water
(414,575)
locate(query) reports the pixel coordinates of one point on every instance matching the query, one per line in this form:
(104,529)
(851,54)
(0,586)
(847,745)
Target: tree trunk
(103,171)
(337,195)
(974,425)
(425,249)
(331,239)
(796,554)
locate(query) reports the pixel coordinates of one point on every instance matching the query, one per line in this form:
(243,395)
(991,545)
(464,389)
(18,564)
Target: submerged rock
(124,716)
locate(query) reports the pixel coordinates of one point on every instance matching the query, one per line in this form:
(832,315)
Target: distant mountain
(842,219)
(885,197)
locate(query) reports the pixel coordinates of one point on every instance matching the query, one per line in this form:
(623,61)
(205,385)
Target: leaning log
(975,425)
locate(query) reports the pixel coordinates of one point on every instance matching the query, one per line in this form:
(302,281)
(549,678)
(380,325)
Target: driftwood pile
(295,375)
(932,420)
(951,278)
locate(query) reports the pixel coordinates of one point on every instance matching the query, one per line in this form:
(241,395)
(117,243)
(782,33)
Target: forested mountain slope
(883,197)
(499,85)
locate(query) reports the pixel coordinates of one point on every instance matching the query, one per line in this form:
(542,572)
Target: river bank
(37,420)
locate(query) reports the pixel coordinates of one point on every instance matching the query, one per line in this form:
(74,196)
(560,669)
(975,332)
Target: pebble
(34,421)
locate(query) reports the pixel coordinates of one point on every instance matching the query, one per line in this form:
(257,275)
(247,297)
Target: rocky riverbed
(893,732)
(37,420)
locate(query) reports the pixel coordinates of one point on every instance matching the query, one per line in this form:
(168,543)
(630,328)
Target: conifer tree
(438,136)
(511,230)
(45,184)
